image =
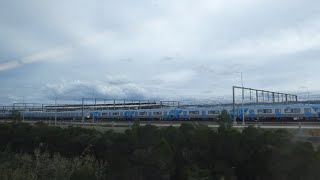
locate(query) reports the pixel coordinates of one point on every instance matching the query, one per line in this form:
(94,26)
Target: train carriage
(279,113)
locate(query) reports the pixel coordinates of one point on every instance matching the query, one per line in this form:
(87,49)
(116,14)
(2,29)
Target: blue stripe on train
(252,114)
(204,114)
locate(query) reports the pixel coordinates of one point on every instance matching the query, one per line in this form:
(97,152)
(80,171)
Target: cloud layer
(157,49)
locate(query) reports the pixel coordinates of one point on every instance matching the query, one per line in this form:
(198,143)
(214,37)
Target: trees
(224,120)
(16,116)
(192,151)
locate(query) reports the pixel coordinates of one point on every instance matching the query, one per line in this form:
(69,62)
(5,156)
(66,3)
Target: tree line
(190,152)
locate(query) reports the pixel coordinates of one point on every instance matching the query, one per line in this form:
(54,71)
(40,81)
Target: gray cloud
(75,90)
(156,49)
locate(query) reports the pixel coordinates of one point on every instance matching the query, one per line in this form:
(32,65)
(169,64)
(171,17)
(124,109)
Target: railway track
(266,125)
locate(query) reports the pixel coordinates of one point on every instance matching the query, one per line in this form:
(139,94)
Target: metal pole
(55,114)
(273,98)
(82,111)
(243,106)
(242,100)
(234,109)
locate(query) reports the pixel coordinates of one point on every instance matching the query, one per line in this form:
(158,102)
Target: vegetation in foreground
(190,152)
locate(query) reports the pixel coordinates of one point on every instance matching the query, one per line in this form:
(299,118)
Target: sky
(156,49)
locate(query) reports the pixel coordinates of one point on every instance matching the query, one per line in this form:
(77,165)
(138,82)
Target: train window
(264,111)
(294,110)
(278,110)
(251,111)
(316,109)
(142,113)
(194,112)
(157,113)
(115,114)
(214,112)
(105,114)
(307,109)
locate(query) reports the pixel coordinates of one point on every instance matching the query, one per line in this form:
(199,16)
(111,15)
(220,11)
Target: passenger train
(297,112)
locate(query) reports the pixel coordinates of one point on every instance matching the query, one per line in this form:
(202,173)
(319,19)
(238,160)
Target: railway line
(264,125)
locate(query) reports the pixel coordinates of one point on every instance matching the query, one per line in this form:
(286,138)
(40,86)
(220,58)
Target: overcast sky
(156,49)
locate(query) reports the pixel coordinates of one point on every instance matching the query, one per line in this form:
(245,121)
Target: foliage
(224,120)
(16,116)
(190,152)
(45,166)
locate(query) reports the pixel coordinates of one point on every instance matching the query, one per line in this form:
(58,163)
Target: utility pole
(243,123)
(55,114)
(234,108)
(233,92)
(82,111)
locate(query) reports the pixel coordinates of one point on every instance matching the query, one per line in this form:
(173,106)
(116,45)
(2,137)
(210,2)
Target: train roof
(282,106)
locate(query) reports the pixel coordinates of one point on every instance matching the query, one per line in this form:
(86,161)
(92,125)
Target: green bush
(192,151)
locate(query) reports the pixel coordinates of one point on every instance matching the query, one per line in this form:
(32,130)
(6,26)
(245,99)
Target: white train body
(250,113)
